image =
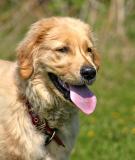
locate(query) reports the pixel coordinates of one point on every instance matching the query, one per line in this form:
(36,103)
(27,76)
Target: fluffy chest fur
(59,114)
(57,111)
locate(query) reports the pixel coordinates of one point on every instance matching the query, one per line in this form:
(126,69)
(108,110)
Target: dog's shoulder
(7,80)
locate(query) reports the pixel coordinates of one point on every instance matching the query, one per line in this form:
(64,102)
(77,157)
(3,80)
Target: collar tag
(50,137)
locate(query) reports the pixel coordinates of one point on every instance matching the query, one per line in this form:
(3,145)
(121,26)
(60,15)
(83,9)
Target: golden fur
(37,55)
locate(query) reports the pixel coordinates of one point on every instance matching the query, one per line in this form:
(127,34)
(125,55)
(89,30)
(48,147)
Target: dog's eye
(63,49)
(89,49)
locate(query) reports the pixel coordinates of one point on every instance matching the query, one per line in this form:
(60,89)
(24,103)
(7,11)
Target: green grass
(109,133)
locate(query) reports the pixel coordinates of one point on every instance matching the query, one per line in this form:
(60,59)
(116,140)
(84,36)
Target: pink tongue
(83,98)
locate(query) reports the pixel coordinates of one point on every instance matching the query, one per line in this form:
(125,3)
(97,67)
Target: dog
(42,92)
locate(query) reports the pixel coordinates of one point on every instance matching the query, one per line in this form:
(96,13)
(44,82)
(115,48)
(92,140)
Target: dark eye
(89,49)
(63,49)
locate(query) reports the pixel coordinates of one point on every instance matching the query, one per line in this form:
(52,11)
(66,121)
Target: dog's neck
(46,103)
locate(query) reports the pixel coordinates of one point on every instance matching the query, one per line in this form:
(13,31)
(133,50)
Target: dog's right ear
(25,59)
(28,47)
(26,51)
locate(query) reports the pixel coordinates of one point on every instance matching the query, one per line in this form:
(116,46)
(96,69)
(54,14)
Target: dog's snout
(88,72)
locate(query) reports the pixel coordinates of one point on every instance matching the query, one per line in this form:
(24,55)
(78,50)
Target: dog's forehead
(70,33)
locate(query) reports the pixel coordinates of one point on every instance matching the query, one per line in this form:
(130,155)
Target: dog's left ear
(28,48)
(97,59)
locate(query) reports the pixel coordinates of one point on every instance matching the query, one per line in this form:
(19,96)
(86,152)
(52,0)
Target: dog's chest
(59,115)
(67,133)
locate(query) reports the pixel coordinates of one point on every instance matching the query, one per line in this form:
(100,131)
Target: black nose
(88,72)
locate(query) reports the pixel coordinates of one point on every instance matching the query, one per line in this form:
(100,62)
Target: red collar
(50,132)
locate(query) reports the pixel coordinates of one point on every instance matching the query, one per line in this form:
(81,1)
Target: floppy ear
(96,59)
(27,48)
(25,59)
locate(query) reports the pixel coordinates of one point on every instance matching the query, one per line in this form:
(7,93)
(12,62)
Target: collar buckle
(50,137)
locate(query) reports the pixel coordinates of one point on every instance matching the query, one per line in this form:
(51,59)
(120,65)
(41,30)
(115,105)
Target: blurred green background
(109,133)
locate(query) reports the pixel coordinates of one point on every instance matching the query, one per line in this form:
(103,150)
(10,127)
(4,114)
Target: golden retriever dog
(42,92)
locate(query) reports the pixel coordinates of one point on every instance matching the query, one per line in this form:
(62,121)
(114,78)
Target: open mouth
(60,85)
(80,95)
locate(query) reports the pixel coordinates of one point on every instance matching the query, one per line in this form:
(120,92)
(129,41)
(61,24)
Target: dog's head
(63,50)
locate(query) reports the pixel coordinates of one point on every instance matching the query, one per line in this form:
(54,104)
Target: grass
(109,133)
